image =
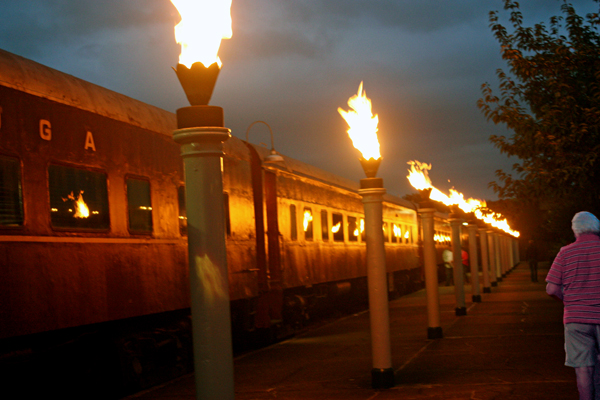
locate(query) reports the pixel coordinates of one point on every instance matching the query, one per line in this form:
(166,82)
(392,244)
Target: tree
(550,100)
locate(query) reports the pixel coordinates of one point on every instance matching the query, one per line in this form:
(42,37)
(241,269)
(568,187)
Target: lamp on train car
(274,157)
(363,132)
(201,133)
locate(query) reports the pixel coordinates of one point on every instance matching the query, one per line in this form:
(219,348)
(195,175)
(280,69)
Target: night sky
(293,63)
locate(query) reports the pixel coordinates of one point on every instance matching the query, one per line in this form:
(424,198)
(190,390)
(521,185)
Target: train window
(227,215)
(182,211)
(352,229)
(363,233)
(324,226)
(396,233)
(337,227)
(11,193)
(78,198)
(308,224)
(293,224)
(386,232)
(139,205)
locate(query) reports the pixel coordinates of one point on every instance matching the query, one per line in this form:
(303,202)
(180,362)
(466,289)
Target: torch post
(201,135)
(492,257)
(498,256)
(473,262)
(459,282)
(382,374)
(427,210)
(485,266)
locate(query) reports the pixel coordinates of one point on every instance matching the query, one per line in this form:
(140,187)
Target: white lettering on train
(45,129)
(89,141)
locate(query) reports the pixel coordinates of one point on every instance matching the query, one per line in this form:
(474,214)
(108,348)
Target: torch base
(435,333)
(195,116)
(382,378)
(460,311)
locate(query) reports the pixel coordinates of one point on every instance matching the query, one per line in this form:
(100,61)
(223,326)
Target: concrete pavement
(509,346)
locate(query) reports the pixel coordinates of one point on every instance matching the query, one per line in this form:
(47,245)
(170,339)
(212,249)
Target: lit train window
(182,212)
(337,227)
(363,232)
(11,193)
(293,223)
(352,229)
(386,232)
(396,233)
(78,198)
(308,224)
(324,226)
(227,214)
(139,205)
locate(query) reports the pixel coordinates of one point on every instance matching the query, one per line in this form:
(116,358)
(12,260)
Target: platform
(509,346)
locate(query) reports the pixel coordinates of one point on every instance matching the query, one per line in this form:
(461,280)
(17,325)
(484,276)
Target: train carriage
(93,224)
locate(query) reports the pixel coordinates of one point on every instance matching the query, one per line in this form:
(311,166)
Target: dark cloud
(293,63)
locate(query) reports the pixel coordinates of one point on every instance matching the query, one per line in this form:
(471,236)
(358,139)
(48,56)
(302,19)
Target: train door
(264,189)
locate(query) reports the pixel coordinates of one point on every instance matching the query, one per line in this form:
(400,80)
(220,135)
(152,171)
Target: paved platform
(509,346)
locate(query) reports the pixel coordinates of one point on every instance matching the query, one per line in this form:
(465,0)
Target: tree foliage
(550,100)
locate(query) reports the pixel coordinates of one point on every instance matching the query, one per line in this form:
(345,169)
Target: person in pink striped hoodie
(574,278)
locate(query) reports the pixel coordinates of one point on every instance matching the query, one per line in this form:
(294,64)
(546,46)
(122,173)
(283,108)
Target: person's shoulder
(585,241)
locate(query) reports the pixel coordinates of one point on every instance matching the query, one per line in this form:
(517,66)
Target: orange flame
(419,179)
(307,219)
(203,24)
(363,125)
(336,227)
(81,209)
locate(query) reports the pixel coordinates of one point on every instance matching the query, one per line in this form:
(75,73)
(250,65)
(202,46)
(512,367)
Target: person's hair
(585,222)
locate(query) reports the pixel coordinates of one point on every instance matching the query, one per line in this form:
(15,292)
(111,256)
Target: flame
(81,209)
(203,24)
(362,225)
(307,218)
(397,231)
(407,234)
(336,227)
(419,179)
(363,125)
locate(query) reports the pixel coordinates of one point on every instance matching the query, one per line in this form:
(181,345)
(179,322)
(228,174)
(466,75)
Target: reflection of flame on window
(336,227)
(407,234)
(307,219)
(81,209)
(397,231)
(145,208)
(362,225)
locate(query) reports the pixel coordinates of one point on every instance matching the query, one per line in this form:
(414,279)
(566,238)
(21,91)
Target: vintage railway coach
(93,227)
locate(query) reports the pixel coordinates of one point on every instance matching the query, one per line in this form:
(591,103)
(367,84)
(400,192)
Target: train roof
(300,168)
(39,80)
(28,76)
